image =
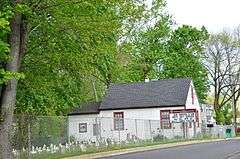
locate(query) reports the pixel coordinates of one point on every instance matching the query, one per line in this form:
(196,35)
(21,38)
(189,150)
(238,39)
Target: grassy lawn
(76,151)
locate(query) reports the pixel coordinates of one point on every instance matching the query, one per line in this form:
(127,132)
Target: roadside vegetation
(78,149)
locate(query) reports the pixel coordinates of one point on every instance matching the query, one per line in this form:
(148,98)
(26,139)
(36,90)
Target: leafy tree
(5,15)
(73,51)
(224,115)
(57,44)
(8,75)
(147,49)
(183,58)
(228,115)
(223,66)
(162,52)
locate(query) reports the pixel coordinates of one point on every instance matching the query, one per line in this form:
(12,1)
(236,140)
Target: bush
(178,137)
(158,137)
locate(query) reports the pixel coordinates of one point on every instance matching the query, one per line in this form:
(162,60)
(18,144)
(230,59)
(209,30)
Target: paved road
(229,149)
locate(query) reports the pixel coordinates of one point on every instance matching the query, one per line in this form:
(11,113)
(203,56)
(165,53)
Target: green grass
(93,149)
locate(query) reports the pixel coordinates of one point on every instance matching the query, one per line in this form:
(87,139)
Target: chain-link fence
(39,137)
(117,130)
(35,134)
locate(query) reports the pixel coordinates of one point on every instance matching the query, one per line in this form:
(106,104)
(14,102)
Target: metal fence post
(96,130)
(194,130)
(186,126)
(136,128)
(162,128)
(150,128)
(183,130)
(173,136)
(100,129)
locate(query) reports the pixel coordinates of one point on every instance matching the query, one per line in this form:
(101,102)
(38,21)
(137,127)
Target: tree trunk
(216,106)
(8,94)
(235,115)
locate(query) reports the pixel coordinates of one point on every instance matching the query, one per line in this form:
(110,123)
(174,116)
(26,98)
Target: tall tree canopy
(73,53)
(222,60)
(163,52)
(62,47)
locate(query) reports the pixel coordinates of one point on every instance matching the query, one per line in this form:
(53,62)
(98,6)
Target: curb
(141,149)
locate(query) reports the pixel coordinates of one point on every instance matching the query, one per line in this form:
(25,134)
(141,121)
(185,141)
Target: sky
(215,15)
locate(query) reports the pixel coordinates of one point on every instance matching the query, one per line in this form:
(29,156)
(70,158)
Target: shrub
(158,137)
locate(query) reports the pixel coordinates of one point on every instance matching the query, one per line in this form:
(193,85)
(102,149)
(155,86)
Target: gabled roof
(161,93)
(87,108)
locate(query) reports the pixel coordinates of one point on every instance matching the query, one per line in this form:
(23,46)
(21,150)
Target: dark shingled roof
(161,93)
(87,108)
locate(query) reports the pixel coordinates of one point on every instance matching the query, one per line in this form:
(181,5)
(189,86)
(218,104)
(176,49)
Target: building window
(118,120)
(82,127)
(165,119)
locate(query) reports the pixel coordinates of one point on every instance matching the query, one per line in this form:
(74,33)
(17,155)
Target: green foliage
(5,16)
(146,50)
(7,75)
(161,52)
(23,9)
(72,46)
(219,117)
(183,58)
(224,115)
(75,49)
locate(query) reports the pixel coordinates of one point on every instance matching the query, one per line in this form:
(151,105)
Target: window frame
(169,125)
(79,127)
(117,119)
